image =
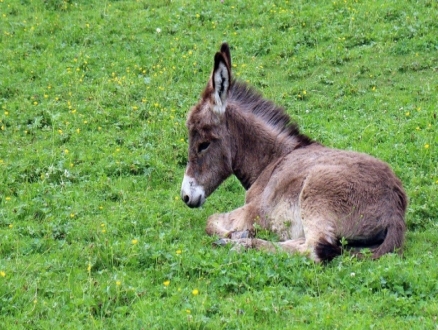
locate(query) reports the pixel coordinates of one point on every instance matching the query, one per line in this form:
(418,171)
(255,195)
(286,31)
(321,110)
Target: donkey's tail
(393,241)
(388,240)
(326,251)
(395,225)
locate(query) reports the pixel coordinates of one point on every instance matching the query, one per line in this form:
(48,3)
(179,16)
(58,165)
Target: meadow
(93,146)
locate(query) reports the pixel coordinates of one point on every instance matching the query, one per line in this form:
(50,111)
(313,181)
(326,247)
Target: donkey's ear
(221,82)
(225,50)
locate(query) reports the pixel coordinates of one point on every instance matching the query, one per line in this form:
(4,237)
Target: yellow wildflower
(166,283)
(195,292)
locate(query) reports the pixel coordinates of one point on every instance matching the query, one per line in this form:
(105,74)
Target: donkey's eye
(203,146)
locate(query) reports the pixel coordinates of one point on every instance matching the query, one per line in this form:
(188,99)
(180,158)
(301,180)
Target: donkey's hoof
(240,234)
(221,242)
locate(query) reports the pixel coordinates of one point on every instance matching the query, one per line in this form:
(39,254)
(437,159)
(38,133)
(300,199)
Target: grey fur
(310,195)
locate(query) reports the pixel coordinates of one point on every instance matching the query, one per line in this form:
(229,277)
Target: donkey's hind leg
(294,246)
(241,244)
(290,246)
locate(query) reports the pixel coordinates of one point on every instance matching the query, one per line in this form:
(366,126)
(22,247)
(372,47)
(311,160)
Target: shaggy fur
(311,196)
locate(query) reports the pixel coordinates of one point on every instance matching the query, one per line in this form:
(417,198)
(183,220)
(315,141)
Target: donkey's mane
(275,116)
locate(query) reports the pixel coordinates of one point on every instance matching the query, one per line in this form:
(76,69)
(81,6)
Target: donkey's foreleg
(235,224)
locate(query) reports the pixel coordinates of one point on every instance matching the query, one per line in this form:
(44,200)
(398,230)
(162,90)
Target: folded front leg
(235,224)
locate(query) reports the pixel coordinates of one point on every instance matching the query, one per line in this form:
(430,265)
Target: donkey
(317,200)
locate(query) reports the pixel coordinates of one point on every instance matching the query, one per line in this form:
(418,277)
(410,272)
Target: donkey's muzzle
(191,193)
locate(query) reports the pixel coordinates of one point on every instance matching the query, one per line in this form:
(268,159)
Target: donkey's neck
(255,144)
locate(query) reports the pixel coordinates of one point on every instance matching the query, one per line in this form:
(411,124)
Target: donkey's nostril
(186,199)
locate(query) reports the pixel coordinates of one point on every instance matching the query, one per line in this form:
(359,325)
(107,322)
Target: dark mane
(273,115)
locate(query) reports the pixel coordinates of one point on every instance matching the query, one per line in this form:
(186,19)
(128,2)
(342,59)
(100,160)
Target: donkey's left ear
(221,81)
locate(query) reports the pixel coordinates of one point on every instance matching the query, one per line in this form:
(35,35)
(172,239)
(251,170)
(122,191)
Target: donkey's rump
(346,195)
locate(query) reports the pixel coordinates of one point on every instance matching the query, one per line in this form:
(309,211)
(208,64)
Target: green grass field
(93,97)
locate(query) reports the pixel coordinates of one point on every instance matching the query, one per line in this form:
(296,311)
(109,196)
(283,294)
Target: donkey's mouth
(198,203)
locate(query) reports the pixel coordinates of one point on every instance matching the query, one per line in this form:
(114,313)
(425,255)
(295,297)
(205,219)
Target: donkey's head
(209,162)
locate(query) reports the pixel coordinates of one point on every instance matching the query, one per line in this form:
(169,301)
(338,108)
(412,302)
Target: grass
(93,98)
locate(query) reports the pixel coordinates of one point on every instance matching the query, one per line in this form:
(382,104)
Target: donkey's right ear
(221,82)
(225,50)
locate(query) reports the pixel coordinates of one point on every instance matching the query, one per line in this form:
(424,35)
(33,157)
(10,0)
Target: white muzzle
(191,193)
